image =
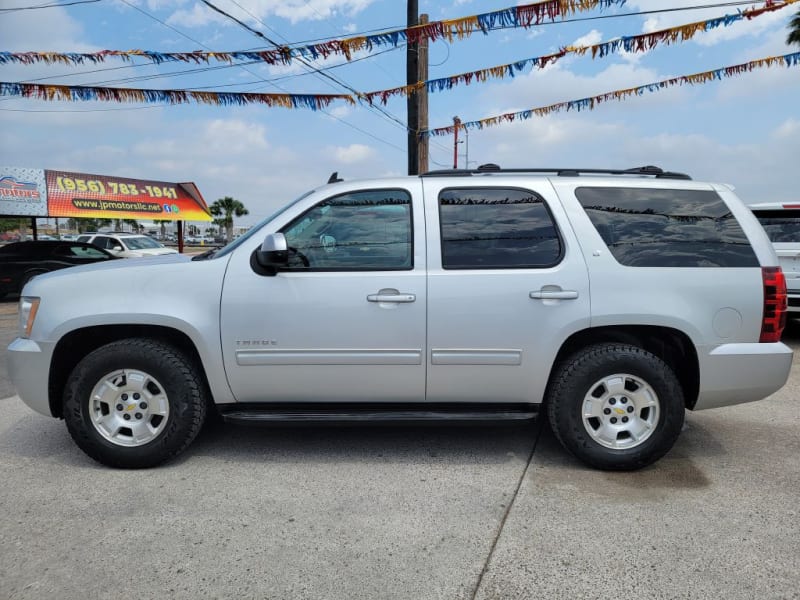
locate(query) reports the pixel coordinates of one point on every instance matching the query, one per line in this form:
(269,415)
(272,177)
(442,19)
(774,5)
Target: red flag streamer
(633,44)
(525,16)
(787,60)
(105,94)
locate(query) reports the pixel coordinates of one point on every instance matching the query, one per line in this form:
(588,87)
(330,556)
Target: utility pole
(422,102)
(412,72)
(456,125)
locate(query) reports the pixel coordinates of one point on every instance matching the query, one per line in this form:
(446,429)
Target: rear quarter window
(645,227)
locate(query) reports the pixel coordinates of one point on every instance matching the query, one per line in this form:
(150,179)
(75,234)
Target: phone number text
(70,184)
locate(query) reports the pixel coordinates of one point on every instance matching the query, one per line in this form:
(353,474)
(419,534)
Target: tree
(163,224)
(794,30)
(225,209)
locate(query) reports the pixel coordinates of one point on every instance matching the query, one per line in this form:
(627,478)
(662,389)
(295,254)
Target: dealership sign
(22,192)
(30,192)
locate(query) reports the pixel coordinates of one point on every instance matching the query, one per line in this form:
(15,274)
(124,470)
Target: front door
(345,321)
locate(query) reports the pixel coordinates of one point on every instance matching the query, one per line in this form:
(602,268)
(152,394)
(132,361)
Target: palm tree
(163,224)
(225,209)
(794,30)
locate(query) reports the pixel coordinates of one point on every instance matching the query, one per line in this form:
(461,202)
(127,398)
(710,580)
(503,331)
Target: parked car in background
(21,261)
(782,224)
(127,245)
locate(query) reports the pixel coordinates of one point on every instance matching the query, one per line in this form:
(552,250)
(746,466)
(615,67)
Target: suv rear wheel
(134,403)
(616,406)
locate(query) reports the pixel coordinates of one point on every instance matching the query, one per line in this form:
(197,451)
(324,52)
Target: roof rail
(648,170)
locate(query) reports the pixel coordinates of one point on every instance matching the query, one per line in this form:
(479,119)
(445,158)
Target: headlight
(28,306)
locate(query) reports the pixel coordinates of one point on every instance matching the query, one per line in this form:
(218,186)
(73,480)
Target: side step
(271,414)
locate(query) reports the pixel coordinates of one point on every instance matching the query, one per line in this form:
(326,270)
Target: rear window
(782,226)
(645,227)
(497,228)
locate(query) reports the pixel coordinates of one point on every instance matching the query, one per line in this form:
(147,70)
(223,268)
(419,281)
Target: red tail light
(774,304)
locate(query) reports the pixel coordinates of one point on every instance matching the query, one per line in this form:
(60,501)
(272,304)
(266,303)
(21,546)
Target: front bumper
(736,373)
(29,369)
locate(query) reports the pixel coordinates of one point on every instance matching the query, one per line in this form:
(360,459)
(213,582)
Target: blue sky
(744,131)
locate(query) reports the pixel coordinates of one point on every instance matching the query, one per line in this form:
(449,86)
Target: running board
(267,414)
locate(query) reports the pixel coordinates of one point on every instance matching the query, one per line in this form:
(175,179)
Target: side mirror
(272,255)
(117,248)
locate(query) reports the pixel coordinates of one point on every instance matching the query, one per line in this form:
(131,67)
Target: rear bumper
(736,373)
(29,369)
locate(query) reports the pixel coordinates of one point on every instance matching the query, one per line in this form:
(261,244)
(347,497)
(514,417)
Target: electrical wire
(304,62)
(262,79)
(390,29)
(8,10)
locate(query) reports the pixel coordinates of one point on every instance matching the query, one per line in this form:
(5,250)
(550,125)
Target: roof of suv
(648,170)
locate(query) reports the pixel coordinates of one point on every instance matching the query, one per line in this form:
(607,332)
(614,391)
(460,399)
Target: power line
(371,107)
(301,60)
(7,10)
(257,76)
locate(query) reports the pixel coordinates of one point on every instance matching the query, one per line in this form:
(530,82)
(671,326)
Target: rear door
(507,285)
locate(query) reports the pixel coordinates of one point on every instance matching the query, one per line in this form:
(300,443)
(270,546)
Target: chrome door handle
(391,298)
(554,295)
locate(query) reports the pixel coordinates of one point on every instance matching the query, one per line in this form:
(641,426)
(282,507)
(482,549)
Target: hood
(150,252)
(145,262)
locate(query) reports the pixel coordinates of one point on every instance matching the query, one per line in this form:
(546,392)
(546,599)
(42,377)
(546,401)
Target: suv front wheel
(134,403)
(616,406)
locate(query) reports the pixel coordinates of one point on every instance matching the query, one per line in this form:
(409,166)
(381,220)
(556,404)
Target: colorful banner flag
(787,60)
(76,93)
(631,44)
(525,15)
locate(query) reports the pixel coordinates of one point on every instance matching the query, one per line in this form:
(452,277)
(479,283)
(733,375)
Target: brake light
(774,319)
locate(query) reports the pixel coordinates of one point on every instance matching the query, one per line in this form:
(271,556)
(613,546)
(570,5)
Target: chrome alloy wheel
(129,408)
(620,411)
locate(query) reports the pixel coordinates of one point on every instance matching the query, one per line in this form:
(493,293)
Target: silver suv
(610,300)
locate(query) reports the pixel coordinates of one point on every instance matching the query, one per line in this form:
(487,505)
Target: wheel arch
(76,344)
(671,345)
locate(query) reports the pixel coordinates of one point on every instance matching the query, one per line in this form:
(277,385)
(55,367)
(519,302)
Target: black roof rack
(651,170)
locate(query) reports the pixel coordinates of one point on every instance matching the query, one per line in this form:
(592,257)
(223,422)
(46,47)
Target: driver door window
(359,231)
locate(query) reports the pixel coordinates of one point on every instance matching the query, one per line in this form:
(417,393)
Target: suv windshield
(140,243)
(782,226)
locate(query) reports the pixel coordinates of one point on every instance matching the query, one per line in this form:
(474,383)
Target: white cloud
(41,31)
(255,12)
(789,130)
(354,153)
(590,39)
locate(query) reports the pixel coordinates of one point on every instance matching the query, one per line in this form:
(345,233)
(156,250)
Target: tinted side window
(496,228)
(782,226)
(360,231)
(667,228)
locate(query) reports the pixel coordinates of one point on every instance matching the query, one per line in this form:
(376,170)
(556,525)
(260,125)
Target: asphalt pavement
(431,512)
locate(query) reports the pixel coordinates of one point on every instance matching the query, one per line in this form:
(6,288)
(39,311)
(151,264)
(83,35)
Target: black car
(20,261)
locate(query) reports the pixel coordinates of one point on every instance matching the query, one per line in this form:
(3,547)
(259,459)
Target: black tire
(172,381)
(580,382)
